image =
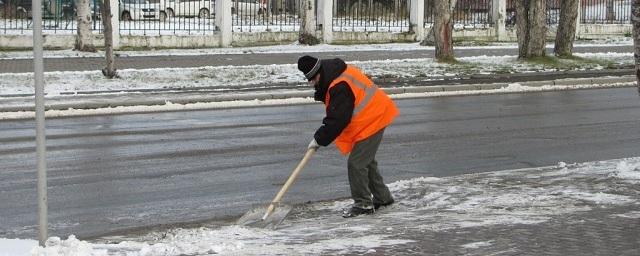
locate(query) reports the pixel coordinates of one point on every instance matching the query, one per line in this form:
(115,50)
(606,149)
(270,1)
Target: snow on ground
(16,247)
(428,204)
(229,77)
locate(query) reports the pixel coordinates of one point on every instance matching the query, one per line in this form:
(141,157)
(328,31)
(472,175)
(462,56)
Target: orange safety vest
(373,109)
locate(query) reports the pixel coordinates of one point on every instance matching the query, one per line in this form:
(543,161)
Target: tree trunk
(443,29)
(566,33)
(635,19)
(531,26)
(84,40)
(308,28)
(110,70)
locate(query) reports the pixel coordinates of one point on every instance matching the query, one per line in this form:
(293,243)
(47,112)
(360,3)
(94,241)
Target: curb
(178,99)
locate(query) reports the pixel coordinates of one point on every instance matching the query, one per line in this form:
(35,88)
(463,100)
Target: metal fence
(266,15)
(59,17)
(371,15)
(605,11)
(166,17)
(468,13)
(552,9)
(175,17)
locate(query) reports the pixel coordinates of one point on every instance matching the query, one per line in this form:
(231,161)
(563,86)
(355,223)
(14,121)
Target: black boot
(377,206)
(355,211)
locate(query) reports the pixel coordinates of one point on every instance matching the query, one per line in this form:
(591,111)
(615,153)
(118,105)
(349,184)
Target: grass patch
(570,63)
(451,61)
(471,43)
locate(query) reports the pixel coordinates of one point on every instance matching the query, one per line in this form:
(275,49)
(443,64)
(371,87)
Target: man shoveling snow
(357,112)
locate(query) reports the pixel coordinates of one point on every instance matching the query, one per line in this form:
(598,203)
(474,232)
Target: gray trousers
(365,181)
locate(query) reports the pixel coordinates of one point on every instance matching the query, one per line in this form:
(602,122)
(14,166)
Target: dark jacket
(342,100)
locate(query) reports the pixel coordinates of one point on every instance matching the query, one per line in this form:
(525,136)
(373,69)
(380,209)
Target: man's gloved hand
(313,144)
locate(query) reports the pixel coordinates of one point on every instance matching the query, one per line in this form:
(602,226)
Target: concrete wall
(371,37)
(263,38)
(191,41)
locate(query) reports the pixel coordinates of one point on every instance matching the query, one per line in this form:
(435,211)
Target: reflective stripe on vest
(373,109)
(369,92)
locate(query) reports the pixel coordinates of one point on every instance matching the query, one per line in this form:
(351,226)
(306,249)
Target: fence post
(325,14)
(579,19)
(416,18)
(224,22)
(115,23)
(499,16)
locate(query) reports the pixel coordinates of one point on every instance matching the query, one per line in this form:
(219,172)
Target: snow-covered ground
(525,198)
(228,77)
(223,78)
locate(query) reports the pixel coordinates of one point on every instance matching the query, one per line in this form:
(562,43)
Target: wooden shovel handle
(290,181)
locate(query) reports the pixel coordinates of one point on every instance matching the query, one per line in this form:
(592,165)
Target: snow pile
(16,247)
(628,172)
(72,246)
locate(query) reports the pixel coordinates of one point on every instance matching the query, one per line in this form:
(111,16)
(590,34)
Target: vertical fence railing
(552,10)
(58,17)
(605,11)
(473,13)
(468,13)
(176,17)
(266,15)
(167,17)
(371,15)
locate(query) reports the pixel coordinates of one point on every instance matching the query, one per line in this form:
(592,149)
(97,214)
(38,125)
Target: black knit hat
(309,66)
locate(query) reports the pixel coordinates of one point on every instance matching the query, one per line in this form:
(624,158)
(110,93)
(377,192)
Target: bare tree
(110,70)
(308,26)
(531,26)
(84,40)
(635,19)
(566,33)
(443,29)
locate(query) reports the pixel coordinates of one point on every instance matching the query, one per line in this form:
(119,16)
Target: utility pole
(38,75)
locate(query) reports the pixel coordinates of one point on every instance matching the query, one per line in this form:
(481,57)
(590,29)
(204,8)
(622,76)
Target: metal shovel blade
(253,218)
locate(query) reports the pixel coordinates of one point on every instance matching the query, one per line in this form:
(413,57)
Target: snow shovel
(271,216)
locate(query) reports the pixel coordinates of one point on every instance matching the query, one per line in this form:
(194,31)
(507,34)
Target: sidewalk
(568,209)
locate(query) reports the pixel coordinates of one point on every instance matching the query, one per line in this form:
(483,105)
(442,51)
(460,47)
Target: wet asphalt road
(110,173)
(145,62)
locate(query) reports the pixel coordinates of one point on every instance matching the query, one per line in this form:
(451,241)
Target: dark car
(51,8)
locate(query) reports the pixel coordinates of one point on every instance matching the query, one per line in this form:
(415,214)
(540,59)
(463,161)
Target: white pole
(38,70)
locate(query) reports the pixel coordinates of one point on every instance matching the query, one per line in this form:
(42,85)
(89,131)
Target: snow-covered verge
(230,77)
(523,197)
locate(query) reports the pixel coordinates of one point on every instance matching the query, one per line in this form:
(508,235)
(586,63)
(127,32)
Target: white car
(189,8)
(140,10)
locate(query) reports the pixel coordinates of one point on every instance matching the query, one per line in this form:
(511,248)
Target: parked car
(51,9)
(189,8)
(248,7)
(140,10)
